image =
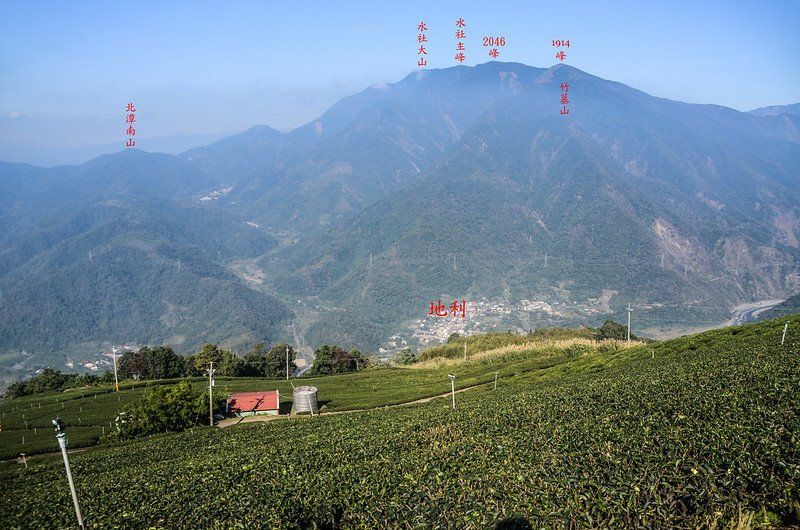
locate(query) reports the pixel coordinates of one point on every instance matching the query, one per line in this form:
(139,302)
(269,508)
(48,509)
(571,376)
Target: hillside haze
(691,207)
(461,183)
(120,251)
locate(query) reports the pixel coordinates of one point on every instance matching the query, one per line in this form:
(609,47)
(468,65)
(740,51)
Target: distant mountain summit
(459,183)
(777,110)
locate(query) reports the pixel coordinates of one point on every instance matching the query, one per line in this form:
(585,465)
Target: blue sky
(67,69)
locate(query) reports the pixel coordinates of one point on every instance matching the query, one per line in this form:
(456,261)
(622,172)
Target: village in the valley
(485,315)
(480,316)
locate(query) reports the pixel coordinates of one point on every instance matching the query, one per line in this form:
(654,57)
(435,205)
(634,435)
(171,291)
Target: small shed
(252,403)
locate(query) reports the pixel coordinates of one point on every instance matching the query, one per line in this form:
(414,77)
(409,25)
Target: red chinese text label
(454,309)
(130,119)
(561,55)
(494,41)
(422,38)
(460,35)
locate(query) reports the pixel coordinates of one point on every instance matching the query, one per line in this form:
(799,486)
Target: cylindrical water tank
(304,399)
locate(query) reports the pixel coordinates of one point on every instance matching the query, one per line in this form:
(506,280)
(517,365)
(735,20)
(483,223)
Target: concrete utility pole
(211,395)
(287,362)
(62,442)
(453,389)
(785,327)
(465,351)
(629,321)
(116,379)
(495,380)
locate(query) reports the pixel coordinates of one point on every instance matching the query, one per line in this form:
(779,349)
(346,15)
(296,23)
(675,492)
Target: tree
(189,368)
(255,362)
(323,359)
(342,362)
(331,359)
(84,380)
(231,365)
(405,356)
(163,363)
(358,358)
(227,363)
(16,389)
(134,365)
(453,337)
(275,360)
(612,330)
(208,354)
(164,408)
(48,379)
(160,362)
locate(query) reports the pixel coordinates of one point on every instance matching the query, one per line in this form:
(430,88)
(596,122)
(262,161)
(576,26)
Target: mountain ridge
(777,110)
(667,228)
(452,183)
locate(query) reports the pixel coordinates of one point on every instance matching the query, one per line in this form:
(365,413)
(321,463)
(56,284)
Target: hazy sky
(67,69)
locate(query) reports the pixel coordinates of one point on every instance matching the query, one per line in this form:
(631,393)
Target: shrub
(405,357)
(164,409)
(576,350)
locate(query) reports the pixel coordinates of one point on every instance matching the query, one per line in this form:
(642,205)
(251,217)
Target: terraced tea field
(88,413)
(702,431)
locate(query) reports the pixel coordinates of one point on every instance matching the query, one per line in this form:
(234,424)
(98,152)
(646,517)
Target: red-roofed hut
(252,403)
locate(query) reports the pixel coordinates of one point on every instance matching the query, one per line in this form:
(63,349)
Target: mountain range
(63,155)
(465,183)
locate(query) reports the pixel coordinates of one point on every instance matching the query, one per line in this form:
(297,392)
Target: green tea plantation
(697,432)
(90,412)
